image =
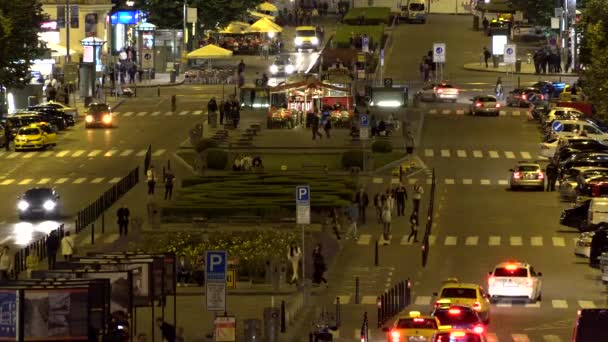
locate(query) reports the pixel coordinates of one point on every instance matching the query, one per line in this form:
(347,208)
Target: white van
(576,127)
(415,11)
(598,211)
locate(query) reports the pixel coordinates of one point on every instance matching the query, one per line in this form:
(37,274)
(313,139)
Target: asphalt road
(478,221)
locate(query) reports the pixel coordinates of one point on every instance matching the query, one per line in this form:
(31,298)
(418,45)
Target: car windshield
(282,61)
(504,272)
(38,193)
(416,7)
(444,86)
(416,323)
(486,99)
(527,168)
(306,33)
(464,317)
(99,108)
(29,131)
(456,292)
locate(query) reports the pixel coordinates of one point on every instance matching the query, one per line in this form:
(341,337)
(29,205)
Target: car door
(537,281)
(573,217)
(48,134)
(428,92)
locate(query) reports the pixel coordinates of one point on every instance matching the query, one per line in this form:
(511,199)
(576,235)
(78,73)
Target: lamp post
(88,68)
(145,44)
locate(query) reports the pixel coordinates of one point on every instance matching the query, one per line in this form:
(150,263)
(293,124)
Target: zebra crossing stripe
(446,111)
(97,180)
(485,182)
(197,112)
(422,300)
(377,180)
(62,154)
(168,113)
(126,153)
(110,153)
(158,153)
(114,180)
(536,241)
(26,181)
(13,155)
(450,240)
(493,154)
(368,300)
(185,112)
(7,182)
(412,181)
(491,337)
(535,305)
(449,181)
(551,338)
(515,113)
(79,180)
(494,241)
(502,113)
(445,153)
(344,299)
(29,155)
(559,241)
(477,154)
(559,304)
(504,305)
(395,181)
(44,181)
(142,153)
(515,241)
(156,114)
(428,153)
(467,181)
(459,111)
(364,239)
(78,153)
(433,111)
(142,113)
(46,154)
(128,114)
(509,155)
(503,182)
(461,153)
(94,153)
(471,240)
(526,155)
(586,304)
(520,338)
(61,180)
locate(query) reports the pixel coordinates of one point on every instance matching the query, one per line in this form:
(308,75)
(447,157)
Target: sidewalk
(526,69)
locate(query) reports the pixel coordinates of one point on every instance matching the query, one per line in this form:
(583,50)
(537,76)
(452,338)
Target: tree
(20,23)
(537,11)
(594,52)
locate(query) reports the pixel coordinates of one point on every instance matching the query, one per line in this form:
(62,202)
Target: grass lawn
(381,159)
(188,156)
(371,15)
(344,32)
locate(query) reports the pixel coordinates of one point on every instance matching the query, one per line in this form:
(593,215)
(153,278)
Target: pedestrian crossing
(58,181)
(479,241)
(138,114)
(78,153)
(466,111)
(489,337)
(479,154)
(446,181)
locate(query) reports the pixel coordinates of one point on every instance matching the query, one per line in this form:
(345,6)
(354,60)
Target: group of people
(427,67)
(229,110)
(385,203)
(168,179)
(295,254)
(302,16)
(247,163)
(549,60)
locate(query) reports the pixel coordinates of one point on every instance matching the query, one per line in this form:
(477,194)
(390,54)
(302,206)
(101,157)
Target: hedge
(344,32)
(371,16)
(217,158)
(382,146)
(353,158)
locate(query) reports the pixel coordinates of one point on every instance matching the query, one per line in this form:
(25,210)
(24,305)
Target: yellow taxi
(453,292)
(413,327)
(306,38)
(35,136)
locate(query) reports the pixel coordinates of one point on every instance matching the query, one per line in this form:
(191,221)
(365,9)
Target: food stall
(290,102)
(338,99)
(201,69)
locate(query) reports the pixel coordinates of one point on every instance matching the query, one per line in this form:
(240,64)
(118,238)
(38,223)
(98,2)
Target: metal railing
(429,222)
(39,246)
(393,301)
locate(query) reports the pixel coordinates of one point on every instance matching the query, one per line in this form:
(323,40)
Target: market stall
(338,99)
(203,71)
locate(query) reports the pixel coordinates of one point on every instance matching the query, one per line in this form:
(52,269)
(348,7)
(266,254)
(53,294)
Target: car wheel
(513,188)
(540,297)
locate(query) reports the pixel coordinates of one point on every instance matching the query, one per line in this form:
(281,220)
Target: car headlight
(274,69)
(289,69)
(107,119)
(298,41)
(49,205)
(314,40)
(23,205)
(89,118)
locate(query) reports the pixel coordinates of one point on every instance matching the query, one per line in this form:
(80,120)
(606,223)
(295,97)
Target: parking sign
(439,53)
(303,204)
(215,280)
(510,55)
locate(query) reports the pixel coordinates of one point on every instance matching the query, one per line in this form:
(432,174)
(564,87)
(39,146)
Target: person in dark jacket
(169,181)
(122,215)
(166,330)
(222,109)
(362,201)
(319,267)
(212,106)
(314,124)
(52,244)
(235,112)
(401,197)
(551,176)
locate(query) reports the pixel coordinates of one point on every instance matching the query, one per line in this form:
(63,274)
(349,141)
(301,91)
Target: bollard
(173,103)
(337,311)
(408,292)
(518,82)
(135,91)
(283,328)
(376,261)
(92,233)
(357,289)
(379,304)
(384,306)
(103,222)
(392,301)
(158,91)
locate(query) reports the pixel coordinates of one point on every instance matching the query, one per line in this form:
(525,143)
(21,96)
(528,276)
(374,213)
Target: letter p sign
(216,265)
(303,195)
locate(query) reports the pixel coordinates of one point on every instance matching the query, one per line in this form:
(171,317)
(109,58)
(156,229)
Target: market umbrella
(265,25)
(267,7)
(261,15)
(235,27)
(209,51)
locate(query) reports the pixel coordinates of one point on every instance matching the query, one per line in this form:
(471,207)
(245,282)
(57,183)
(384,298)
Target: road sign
(364,133)
(510,55)
(364,120)
(215,280)
(439,53)
(225,329)
(557,126)
(147,62)
(303,204)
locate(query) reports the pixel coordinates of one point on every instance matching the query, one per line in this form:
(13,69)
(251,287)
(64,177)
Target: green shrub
(382,146)
(371,15)
(353,158)
(217,158)
(344,32)
(204,144)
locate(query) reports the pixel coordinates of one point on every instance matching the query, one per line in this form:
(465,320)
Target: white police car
(514,280)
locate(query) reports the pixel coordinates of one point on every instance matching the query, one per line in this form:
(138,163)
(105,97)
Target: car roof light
(419,320)
(414,313)
(511,267)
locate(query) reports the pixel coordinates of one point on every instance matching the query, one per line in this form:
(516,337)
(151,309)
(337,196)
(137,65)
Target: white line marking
(559,304)
(509,155)
(156,114)
(94,153)
(185,112)
(44,181)
(364,239)
(428,153)
(378,180)
(477,154)
(158,153)
(78,153)
(485,182)
(491,337)
(467,181)
(536,241)
(26,181)
(7,182)
(114,180)
(586,304)
(412,181)
(110,153)
(493,154)
(344,299)
(29,155)
(128,114)
(450,240)
(494,241)
(459,112)
(515,241)
(13,155)
(515,113)
(46,154)
(558,241)
(168,113)
(503,182)
(520,338)
(502,113)
(142,113)
(197,112)
(445,153)
(141,153)
(126,153)
(395,181)
(551,338)
(61,180)
(446,111)
(471,241)
(432,111)
(449,181)
(461,153)
(79,180)
(97,180)
(535,305)
(504,305)
(62,154)
(525,155)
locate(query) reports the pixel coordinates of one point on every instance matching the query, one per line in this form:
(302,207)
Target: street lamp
(90,65)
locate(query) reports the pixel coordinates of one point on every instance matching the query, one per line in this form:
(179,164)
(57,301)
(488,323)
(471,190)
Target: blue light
(125,17)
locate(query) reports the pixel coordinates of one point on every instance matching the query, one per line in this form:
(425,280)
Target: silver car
(570,181)
(484,105)
(438,92)
(527,175)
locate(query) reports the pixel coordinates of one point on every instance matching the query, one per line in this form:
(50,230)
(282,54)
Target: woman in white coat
(294,255)
(67,246)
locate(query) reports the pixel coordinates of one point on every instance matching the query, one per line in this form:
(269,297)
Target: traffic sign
(510,55)
(557,126)
(364,133)
(215,280)
(364,120)
(215,265)
(439,53)
(303,204)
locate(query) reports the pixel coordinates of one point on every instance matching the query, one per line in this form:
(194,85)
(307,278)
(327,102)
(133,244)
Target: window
(591,130)
(465,317)
(29,131)
(419,323)
(306,33)
(570,127)
(73,16)
(417,7)
(527,168)
(503,272)
(455,292)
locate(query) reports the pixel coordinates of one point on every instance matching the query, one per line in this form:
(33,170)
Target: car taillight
(454,311)
(477,104)
(477,306)
(511,267)
(498,105)
(491,281)
(541,175)
(440,90)
(479,329)
(437,304)
(529,282)
(395,336)
(517,175)
(524,96)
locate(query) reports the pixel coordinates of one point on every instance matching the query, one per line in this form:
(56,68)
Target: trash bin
(253,330)
(495,61)
(172,76)
(518,65)
(272,324)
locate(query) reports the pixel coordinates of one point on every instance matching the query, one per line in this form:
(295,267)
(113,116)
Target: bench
(245,219)
(313,167)
(200,222)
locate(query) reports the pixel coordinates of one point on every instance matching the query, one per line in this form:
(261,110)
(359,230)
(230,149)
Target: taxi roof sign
(415,313)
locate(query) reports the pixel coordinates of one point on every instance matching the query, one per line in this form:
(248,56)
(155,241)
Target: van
(573,127)
(590,325)
(415,11)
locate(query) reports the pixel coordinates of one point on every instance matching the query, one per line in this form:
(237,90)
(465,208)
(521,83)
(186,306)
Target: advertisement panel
(56,314)
(8,315)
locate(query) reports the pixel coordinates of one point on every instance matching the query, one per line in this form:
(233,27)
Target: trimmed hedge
(382,146)
(205,144)
(353,158)
(217,158)
(371,16)
(344,32)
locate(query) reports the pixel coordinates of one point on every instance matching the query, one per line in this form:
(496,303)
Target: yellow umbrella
(209,51)
(261,15)
(264,26)
(267,7)
(235,27)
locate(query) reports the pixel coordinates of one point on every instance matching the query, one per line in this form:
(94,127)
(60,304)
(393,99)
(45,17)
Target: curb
(492,70)
(160,84)
(113,108)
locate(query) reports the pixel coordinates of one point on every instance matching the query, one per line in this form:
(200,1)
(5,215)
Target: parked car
(571,182)
(72,111)
(577,127)
(584,159)
(590,323)
(567,152)
(586,215)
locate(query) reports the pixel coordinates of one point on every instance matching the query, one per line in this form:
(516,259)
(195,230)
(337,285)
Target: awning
(307,85)
(209,51)
(235,27)
(267,7)
(58,50)
(261,15)
(264,26)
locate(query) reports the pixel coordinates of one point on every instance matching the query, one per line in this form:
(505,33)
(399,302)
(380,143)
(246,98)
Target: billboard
(8,315)
(125,17)
(55,314)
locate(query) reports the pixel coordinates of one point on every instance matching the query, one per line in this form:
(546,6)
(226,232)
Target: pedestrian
(401,197)
(335,224)
(327,127)
(551,176)
(315,126)
(224,110)
(169,181)
(151,179)
(499,89)
(6,263)
(235,112)
(52,244)
(390,199)
(67,246)
(352,212)
(122,215)
(294,255)
(167,330)
(8,135)
(486,55)
(362,201)
(413,227)
(378,207)
(241,67)
(386,221)
(173,103)
(32,262)
(212,107)
(184,271)
(485,23)
(252,97)
(417,196)
(318,265)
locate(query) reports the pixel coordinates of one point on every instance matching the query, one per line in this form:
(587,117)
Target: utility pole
(184,28)
(67,31)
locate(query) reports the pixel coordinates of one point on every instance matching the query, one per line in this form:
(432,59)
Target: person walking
(386,221)
(52,244)
(335,224)
(122,215)
(327,127)
(401,197)
(212,107)
(32,262)
(169,181)
(67,246)
(362,201)
(314,124)
(241,67)
(6,263)
(294,255)
(353,215)
(151,179)
(167,330)
(318,265)
(486,55)
(235,112)
(485,23)
(224,110)
(8,136)
(378,207)
(184,271)
(413,227)
(417,196)
(499,89)
(551,176)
